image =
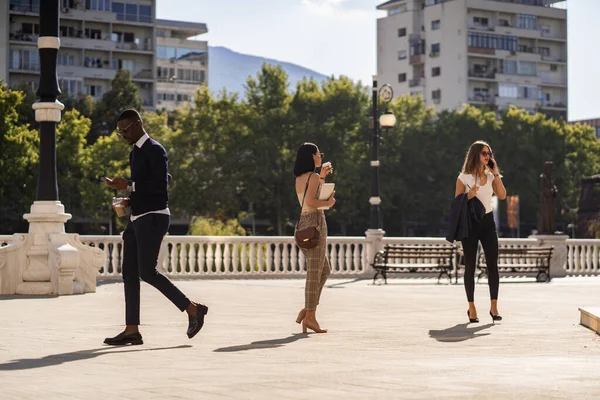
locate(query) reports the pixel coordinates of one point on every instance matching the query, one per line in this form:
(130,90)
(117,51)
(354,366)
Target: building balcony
(479,27)
(482,51)
(24,67)
(481,98)
(553,35)
(549,79)
(416,60)
(486,76)
(23,37)
(519,79)
(553,105)
(554,58)
(88,44)
(23,6)
(518,32)
(89,15)
(145,46)
(143,75)
(415,82)
(85,72)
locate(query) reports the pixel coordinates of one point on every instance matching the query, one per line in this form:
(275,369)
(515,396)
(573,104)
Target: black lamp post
(47,108)
(386,121)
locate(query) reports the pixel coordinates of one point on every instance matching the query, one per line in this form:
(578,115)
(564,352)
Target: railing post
(559,254)
(374,245)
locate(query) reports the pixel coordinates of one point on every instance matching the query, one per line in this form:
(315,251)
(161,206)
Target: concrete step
(590,318)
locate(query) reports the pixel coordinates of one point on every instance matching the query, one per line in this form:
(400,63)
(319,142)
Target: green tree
(19,149)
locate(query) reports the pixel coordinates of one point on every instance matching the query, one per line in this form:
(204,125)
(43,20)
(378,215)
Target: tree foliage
(232,154)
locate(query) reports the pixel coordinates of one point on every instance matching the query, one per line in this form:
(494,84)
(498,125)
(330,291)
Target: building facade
(99,37)
(481,52)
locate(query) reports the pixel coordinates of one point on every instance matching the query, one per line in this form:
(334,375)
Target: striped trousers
(317,264)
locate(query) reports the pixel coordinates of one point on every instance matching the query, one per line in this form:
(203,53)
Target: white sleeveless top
(485,192)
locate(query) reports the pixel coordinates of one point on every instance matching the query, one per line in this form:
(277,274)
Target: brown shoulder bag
(309,237)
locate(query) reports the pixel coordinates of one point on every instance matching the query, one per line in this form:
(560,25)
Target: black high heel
(474,320)
(495,317)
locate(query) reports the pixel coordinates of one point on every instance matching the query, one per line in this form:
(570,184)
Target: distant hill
(228,69)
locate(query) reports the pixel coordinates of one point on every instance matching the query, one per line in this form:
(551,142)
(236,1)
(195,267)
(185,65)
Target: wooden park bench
(414,259)
(524,259)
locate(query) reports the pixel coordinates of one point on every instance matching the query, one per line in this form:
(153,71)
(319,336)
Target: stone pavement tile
(405,340)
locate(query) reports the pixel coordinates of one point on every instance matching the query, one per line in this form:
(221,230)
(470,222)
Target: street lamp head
(387,120)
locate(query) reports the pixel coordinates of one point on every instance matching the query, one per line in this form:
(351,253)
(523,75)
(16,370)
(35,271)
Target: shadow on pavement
(263,344)
(459,333)
(56,359)
(341,284)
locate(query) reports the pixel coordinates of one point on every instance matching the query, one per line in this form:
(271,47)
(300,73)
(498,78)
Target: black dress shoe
(122,339)
(197,321)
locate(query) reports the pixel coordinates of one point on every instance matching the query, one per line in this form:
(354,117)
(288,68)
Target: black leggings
(484,232)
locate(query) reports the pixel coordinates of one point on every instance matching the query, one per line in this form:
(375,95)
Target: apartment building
(481,52)
(99,37)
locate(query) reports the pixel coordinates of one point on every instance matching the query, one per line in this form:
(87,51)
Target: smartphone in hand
(491,164)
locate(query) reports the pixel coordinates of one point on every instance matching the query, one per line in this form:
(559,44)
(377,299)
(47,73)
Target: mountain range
(229,69)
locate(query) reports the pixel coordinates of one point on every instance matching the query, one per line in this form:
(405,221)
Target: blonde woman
(481,178)
(308,184)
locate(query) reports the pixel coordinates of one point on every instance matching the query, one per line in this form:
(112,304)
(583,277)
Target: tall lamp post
(386,120)
(48,261)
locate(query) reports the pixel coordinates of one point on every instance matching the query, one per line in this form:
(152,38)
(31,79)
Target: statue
(548,190)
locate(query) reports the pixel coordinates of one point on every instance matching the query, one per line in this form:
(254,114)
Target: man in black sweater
(149,222)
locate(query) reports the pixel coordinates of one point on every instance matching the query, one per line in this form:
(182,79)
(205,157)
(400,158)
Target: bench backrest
(414,254)
(523,255)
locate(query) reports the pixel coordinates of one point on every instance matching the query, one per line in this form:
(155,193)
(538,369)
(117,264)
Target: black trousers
(484,232)
(141,243)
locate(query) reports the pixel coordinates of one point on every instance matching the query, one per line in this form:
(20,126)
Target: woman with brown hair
(480,177)
(308,186)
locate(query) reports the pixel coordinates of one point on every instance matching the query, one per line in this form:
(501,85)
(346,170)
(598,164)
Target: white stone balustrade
(278,257)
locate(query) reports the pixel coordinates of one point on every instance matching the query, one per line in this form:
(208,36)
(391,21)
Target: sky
(338,37)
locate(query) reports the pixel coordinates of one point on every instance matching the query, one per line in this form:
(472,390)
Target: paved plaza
(406,340)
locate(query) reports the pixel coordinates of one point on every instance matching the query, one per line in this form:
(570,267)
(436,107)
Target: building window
(508,90)
(526,21)
(402,55)
(480,21)
(402,77)
(545,51)
(70,87)
(436,71)
(65,59)
(97,5)
(435,50)
(436,94)
(93,90)
(508,67)
(165,52)
(129,65)
(553,67)
(24,59)
(145,14)
(529,92)
(435,25)
(401,32)
(527,68)
(488,41)
(163,73)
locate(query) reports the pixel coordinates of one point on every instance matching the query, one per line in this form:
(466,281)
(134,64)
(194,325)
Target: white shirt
(166,211)
(485,192)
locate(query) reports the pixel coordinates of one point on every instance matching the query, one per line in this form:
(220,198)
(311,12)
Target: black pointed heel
(473,320)
(495,317)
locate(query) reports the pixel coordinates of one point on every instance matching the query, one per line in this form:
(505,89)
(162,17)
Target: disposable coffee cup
(118,206)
